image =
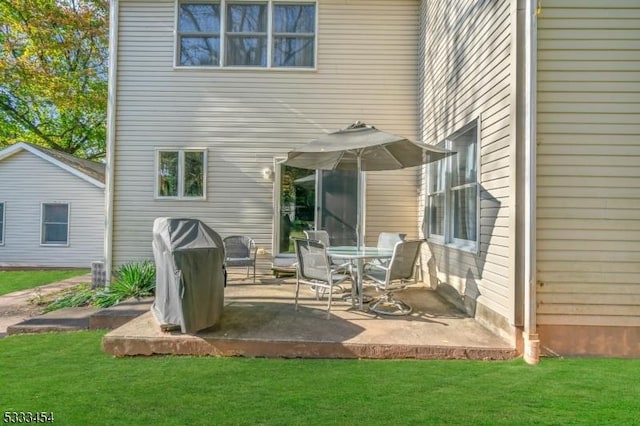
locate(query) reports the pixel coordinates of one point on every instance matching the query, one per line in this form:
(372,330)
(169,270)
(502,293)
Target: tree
(53,74)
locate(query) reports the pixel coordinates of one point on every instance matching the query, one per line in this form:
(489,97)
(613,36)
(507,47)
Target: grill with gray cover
(190,274)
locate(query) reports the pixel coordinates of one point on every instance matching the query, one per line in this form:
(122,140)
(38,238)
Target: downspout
(111,135)
(530,335)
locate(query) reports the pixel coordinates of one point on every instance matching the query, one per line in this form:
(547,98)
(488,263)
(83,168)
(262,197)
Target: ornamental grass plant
(132,280)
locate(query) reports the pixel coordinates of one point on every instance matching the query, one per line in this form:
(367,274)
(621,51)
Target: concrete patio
(259,320)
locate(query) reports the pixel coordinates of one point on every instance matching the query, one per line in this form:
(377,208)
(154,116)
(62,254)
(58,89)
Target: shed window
(260,34)
(55,224)
(453,192)
(181,173)
(1,224)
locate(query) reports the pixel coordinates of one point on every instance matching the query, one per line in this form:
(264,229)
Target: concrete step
(118,315)
(67,319)
(83,318)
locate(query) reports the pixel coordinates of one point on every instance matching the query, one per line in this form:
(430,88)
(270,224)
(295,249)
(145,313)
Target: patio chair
(388,240)
(322,236)
(314,268)
(240,251)
(394,276)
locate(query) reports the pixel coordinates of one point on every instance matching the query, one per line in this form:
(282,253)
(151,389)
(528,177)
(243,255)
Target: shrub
(132,280)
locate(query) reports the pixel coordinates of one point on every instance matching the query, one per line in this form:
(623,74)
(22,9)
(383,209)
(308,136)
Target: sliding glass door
(310,199)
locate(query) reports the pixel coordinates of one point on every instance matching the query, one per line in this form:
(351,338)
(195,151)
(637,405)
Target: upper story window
(267,34)
(181,173)
(1,224)
(55,224)
(453,192)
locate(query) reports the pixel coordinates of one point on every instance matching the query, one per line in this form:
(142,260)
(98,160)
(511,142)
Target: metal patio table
(357,257)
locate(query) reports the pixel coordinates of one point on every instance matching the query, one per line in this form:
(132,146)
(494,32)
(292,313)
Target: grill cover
(190,276)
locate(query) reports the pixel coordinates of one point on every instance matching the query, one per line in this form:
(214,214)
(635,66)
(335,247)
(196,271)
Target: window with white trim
(1,224)
(453,192)
(181,173)
(239,33)
(55,224)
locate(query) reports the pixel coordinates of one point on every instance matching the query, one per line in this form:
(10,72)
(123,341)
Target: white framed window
(54,229)
(181,173)
(246,34)
(2,221)
(453,192)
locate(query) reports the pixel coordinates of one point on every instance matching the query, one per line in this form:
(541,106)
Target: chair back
(322,236)
(313,262)
(403,261)
(238,246)
(389,239)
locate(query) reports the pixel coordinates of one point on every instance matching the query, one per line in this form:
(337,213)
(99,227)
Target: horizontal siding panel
(576,309)
(576,276)
(585,320)
(574,64)
(590,288)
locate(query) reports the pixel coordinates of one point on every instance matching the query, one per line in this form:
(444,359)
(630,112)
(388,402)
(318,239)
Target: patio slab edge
(122,345)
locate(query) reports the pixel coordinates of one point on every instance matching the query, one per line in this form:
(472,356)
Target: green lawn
(69,375)
(11,281)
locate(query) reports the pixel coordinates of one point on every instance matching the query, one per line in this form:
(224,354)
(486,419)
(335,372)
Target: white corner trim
(111,136)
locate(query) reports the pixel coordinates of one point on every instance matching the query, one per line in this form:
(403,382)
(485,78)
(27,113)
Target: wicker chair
(240,251)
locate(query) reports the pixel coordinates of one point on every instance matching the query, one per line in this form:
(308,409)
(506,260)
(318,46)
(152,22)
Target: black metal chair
(394,276)
(314,268)
(240,251)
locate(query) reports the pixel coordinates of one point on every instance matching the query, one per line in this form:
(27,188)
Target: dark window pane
(464,162)
(193,174)
(1,212)
(199,51)
(168,174)
(246,18)
(464,214)
(293,52)
(436,214)
(55,234)
(246,51)
(294,18)
(199,18)
(56,213)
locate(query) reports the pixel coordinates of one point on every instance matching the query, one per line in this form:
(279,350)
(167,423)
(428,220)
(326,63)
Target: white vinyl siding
(588,171)
(24,191)
(467,70)
(245,118)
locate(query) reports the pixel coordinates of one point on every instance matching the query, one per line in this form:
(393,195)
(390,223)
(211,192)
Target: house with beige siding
(532,228)
(51,208)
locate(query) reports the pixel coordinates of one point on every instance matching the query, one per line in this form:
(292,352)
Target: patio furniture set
(389,267)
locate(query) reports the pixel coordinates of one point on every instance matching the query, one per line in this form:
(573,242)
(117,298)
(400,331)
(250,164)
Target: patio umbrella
(360,148)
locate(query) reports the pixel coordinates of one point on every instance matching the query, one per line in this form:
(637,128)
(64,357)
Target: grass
(11,281)
(69,375)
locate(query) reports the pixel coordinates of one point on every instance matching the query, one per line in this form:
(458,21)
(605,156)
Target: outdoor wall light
(267,173)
